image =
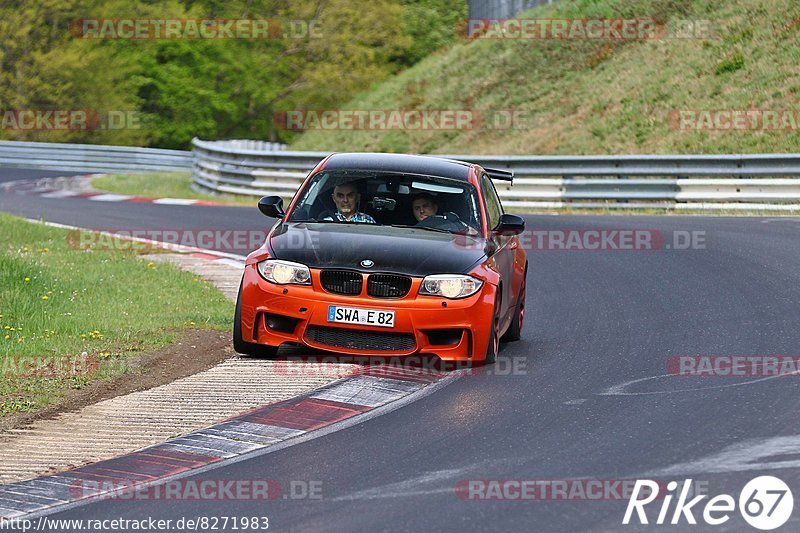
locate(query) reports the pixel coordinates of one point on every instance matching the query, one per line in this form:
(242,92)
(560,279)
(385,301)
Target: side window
(493,207)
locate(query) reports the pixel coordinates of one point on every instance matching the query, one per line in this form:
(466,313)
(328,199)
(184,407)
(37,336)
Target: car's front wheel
(240,345)
(514,332)
(493,346)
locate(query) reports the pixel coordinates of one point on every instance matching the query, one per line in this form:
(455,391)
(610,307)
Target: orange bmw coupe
(390,255)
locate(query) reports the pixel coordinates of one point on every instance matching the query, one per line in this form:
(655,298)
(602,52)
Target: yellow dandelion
(8,337)
(45,297)
(27,280)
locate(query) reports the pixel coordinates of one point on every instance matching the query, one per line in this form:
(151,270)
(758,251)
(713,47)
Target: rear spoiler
(495,174)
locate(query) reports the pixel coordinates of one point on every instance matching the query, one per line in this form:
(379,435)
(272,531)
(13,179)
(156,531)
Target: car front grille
(341,282)
(388,285)
(376,341)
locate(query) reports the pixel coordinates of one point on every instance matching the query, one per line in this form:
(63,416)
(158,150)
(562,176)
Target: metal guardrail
(760,181)
(256,168)
(92,157)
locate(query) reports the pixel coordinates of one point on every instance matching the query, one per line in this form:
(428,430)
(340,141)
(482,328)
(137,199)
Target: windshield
(390,199)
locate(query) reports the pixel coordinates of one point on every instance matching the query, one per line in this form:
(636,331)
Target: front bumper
(424,325)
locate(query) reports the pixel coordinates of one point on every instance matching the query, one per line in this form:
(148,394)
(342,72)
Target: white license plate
(354,315)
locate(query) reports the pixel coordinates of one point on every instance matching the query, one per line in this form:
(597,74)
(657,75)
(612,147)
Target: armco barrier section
(257,168)
(92,157)
(757,181)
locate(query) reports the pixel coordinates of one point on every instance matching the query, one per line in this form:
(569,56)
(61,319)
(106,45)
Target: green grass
(599,97)
(165,185)
(57,302)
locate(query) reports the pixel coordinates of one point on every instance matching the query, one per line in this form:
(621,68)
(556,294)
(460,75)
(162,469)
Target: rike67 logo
(765,503)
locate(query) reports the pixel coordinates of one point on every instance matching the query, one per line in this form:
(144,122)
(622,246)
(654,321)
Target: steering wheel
(449,221)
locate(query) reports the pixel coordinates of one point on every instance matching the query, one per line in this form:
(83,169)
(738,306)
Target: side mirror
(510,225)
(271,206)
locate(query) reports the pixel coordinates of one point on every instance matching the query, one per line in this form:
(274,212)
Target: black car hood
(412,251)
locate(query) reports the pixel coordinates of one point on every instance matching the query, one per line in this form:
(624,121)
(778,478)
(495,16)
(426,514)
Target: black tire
(243,347)
(514,331)
(493,345)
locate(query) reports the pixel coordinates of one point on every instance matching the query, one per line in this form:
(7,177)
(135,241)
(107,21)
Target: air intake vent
(341,282)
(376,341)
(388,285)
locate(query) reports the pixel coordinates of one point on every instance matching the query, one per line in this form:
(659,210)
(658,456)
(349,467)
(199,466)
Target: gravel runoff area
(132,421)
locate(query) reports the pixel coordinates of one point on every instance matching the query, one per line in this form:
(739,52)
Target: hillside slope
(602,96)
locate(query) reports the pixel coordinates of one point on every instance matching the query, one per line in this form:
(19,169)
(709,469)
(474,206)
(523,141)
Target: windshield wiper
(438,230)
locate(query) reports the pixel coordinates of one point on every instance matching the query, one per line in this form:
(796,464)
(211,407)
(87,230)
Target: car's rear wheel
(514,332)
(240,345)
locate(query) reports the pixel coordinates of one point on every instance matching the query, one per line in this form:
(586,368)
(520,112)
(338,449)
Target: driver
(346,198)
(424,205)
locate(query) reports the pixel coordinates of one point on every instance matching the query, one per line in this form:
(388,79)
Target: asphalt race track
(585,394)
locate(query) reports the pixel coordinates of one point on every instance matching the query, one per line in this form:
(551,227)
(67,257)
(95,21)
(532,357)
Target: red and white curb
(343,403)
(79,187)
(193,251)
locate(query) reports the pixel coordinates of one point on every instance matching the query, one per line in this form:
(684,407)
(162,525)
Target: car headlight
(284,272)
(450,285)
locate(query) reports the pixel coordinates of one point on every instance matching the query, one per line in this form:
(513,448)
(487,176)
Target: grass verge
(165,185)
(585,96)
(69,316)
